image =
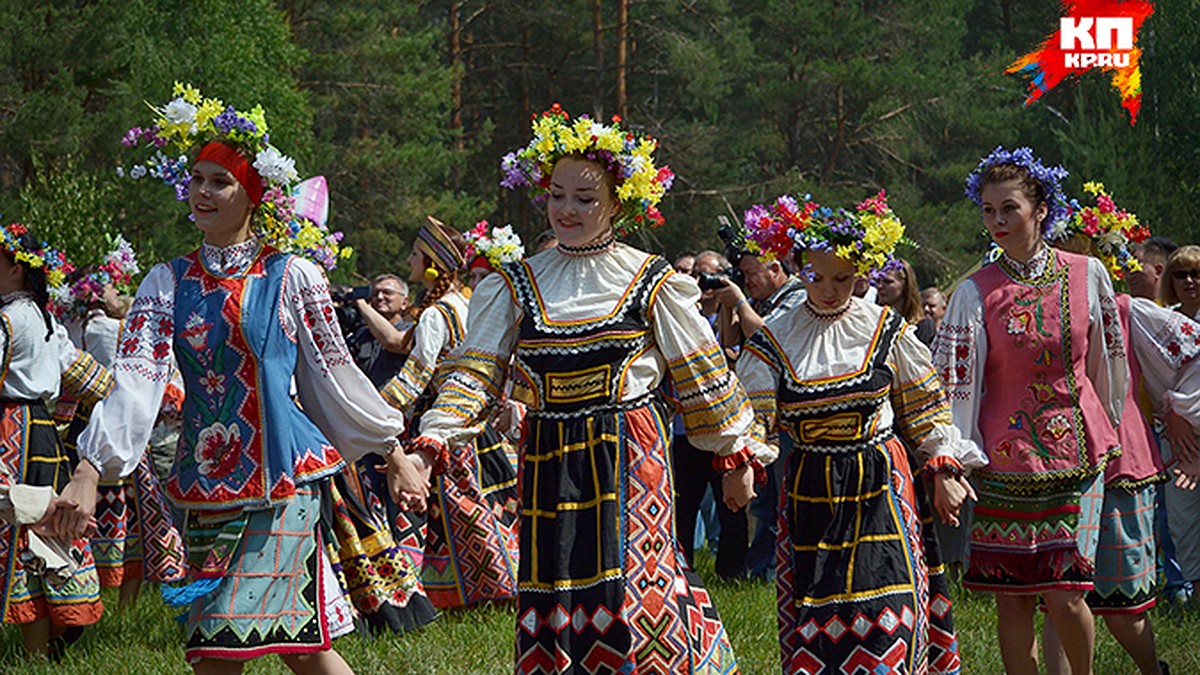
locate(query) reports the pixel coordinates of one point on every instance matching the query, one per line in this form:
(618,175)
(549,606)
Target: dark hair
(445,278)
(35,279)
(1003,173)
(909,305)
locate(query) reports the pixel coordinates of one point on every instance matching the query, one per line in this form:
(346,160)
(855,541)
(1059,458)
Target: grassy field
(146,640)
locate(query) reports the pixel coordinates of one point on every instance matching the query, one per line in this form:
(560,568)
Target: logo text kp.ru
(1089,41)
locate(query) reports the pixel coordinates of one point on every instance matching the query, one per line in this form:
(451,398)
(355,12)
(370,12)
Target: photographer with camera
(769,288)
(694,472)
(378,345)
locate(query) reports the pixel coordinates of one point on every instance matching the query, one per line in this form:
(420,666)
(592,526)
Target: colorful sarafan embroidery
(244,442)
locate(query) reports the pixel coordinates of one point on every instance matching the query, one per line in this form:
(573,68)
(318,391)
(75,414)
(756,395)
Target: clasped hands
(408,478)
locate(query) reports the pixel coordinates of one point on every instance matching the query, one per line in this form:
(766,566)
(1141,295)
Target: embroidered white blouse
(1106,364)
(334,393)
(586,287)
(26,351)
(432,336)
(817,347)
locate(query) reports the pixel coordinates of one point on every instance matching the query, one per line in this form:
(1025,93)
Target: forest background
(407,107)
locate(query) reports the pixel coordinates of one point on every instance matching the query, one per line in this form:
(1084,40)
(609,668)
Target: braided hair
(35,281)
(441,286)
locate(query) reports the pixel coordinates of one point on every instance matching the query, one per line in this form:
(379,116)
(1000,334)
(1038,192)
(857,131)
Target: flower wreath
(41,256)
(190,122)
(119,268)
(866,237)
(1109,228)
(627,156)
(768,232)
(500,247)
(1050,177)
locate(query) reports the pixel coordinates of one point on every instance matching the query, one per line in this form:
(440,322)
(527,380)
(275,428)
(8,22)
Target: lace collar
(1033,269)
(14,296)
(234,259)
(603,245)
(830,315)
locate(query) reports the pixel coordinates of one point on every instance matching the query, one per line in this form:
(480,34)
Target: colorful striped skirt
(1027,542)
(1126,554)
(604,585)
(859,580)
(278,595)
(471,549)
(32,454)
(378,575)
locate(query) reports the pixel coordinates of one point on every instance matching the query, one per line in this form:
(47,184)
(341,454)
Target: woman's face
(1012,219)
(220,204)
(830,280)
(1186,281)
(477,275)
(581,205)
(889,288)
(416,265)
(12,275)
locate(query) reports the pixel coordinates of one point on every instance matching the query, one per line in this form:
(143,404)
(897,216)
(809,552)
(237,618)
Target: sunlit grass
(480,640)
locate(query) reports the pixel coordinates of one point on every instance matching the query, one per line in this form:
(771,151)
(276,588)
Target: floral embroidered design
(195,331)
(214,383)
(218,449)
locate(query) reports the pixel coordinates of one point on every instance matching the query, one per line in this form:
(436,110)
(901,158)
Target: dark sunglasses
(1180,275)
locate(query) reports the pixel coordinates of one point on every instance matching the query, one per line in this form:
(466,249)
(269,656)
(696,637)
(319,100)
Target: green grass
(147,640)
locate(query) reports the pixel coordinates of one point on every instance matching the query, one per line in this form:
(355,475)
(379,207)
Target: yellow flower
(207,111)
(188,92)
(1094,188)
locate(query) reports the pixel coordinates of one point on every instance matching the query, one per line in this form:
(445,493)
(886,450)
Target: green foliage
(70,208)
(749,98)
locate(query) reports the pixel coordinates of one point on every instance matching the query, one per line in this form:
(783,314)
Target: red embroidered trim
(439,451)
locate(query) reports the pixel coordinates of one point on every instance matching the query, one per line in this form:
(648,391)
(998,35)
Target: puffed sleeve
(22,504)
(478,372)
(1166,344)
(958,357)
(923,416)
(119,429)
(333,392)
(759,376)
(1107,365)
(84,379)
(431,336)
(717,414)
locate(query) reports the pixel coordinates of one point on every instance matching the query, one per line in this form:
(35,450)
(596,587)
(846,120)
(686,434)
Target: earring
(431,273)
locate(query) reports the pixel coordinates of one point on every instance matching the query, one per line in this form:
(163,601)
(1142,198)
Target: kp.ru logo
(1092,34)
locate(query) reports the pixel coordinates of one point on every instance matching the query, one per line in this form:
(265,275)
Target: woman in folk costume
(1031,353)
(1162,347)
(465,542)
(860,583)
(593,327)
(244,318)
(135,537)
(49,596)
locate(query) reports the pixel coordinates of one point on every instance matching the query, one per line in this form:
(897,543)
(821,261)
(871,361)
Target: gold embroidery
(847,426)
(579,385)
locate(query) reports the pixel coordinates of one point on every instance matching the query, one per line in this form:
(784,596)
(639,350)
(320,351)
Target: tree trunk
(622,55)
(456,78)
(597,61)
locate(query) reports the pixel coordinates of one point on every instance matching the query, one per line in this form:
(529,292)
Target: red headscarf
(234,163)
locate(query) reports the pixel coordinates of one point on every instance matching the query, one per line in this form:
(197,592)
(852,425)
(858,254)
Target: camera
(347,296)
(710,282)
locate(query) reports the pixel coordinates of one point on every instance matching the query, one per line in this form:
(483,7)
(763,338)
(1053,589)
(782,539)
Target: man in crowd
(1152,254)
(694,472)
(380,346)
(771,288)
(934,303)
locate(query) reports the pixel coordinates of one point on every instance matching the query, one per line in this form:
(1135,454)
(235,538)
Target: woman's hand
(949,493)
(45,528)
(408,483)
(1182,437)
(737,487)
(1187,472)
(75,511)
